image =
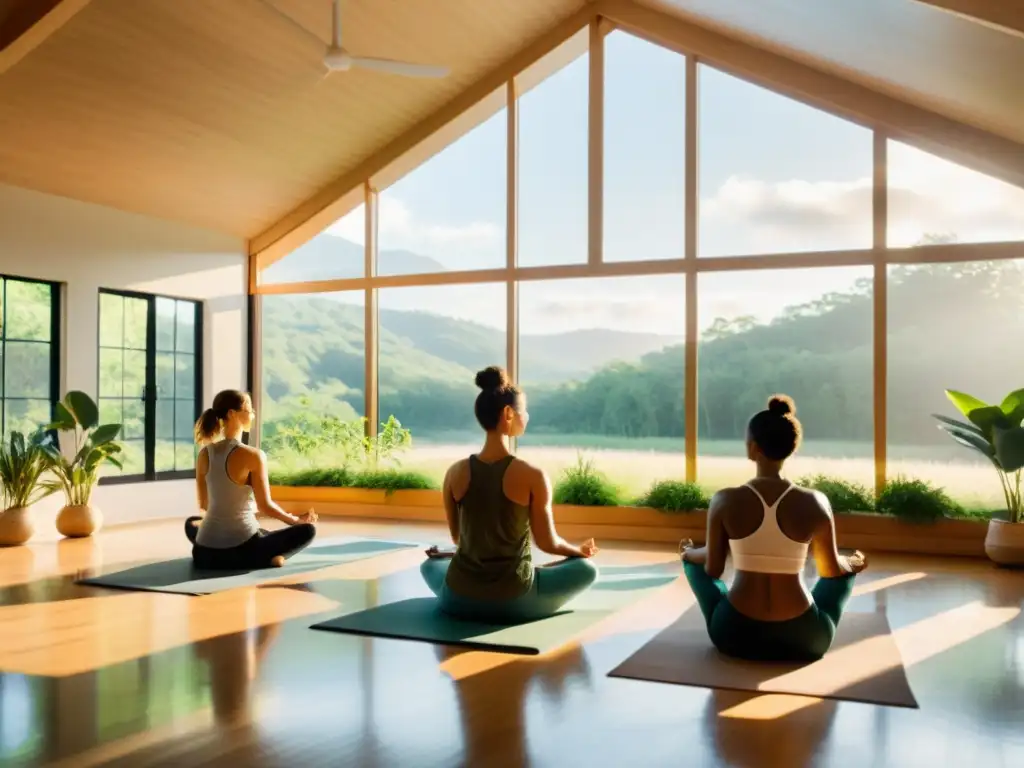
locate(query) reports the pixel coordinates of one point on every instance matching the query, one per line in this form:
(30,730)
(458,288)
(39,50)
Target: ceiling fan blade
(400,67)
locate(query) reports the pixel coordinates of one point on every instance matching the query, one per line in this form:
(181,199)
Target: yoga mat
(181,577)
(419,618)
(864,664)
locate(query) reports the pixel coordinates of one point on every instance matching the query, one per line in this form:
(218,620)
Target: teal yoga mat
(181,577)
(419,619)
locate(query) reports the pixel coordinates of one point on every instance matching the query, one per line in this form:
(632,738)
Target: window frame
(54,342)
(150,474)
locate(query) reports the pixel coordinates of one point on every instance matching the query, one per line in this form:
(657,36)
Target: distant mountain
(327,257)
(311,339)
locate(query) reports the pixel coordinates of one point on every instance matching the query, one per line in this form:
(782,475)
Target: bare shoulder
(528,471)
(253,457)
(813,499)
(458,470)
(726,496)
(203,459)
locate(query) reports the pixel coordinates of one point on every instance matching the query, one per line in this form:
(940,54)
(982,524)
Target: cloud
(399,228)
(926,195)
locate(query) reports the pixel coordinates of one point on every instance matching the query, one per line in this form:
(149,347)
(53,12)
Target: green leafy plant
(842,495)
(23,462)
(997,433)
(94,445)
(916,501)
(674,496)
(389,480)
(583,485)
(390,438)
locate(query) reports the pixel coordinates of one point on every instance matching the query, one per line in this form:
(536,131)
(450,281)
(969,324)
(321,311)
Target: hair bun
(493,378)
(781,405)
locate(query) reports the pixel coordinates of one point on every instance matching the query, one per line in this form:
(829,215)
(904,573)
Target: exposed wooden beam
(1005,15)
(323,209)
(29,24)
(926,254)
(968,146)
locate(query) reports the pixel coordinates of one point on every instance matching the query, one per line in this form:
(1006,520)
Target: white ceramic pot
(78,520)
(16,526)
(1004,543)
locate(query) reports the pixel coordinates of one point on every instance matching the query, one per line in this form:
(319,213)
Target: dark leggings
(250,555)
(804,638)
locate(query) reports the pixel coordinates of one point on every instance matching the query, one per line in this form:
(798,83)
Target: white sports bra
(768,549)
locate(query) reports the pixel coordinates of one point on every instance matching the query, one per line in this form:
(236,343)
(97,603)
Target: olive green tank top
(493,559)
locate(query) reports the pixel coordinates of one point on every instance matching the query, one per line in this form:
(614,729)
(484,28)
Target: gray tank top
(230,517)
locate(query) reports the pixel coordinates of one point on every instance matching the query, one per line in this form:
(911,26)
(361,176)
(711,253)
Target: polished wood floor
(92,677)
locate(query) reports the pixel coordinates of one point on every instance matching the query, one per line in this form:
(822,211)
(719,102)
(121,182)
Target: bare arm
(829,562)
(543,523)
(260,480)
(202,467)
(451,507)
(713,554)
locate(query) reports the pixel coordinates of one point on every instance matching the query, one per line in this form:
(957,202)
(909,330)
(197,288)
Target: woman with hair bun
(493,502)
(229,474)
(769,525)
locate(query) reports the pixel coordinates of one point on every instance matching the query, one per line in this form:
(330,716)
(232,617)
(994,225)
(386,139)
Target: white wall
(86,247)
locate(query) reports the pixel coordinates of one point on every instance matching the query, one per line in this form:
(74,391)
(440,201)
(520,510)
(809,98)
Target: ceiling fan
(337,59)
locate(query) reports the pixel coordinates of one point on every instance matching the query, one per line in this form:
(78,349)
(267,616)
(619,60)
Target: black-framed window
(150,374)
(29,353)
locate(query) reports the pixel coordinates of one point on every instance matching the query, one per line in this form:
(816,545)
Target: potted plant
(23,462)
(93,446)
(996,432)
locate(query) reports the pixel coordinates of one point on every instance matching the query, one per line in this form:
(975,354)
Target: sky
(775,176)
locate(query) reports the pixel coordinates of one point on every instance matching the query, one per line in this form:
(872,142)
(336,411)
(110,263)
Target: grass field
(635,464)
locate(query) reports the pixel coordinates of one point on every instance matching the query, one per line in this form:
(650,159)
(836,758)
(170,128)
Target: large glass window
(432,342)
(313,376)
(334,254)
(150,381)
(644,150)
(932,200)
(778,176)
(950,326)
(805,333)
(600,348)
(553,168)
(28,353)
(450,212)
(601,361)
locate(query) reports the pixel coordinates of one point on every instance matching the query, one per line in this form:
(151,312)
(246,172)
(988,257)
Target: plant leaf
(965,403)
(1009,445)
(64,420)
(82,408)
(104,434)
(970,439)
(990,418)
(1013,407)
(963,425)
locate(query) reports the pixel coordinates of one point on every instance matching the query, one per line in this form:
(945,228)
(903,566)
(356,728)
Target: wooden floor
(91,677)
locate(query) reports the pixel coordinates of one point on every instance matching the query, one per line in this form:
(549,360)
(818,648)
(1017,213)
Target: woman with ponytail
(233,484)
(493,502)
(769,525)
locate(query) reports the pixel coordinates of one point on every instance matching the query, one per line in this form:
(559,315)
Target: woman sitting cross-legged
(493,502)
(769,525)
(228,475)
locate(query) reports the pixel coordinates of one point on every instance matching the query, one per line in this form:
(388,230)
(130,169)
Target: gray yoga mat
(420,619)
(864,664)
(181,577)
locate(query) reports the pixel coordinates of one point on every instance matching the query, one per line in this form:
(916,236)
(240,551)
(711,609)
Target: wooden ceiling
(216,112)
